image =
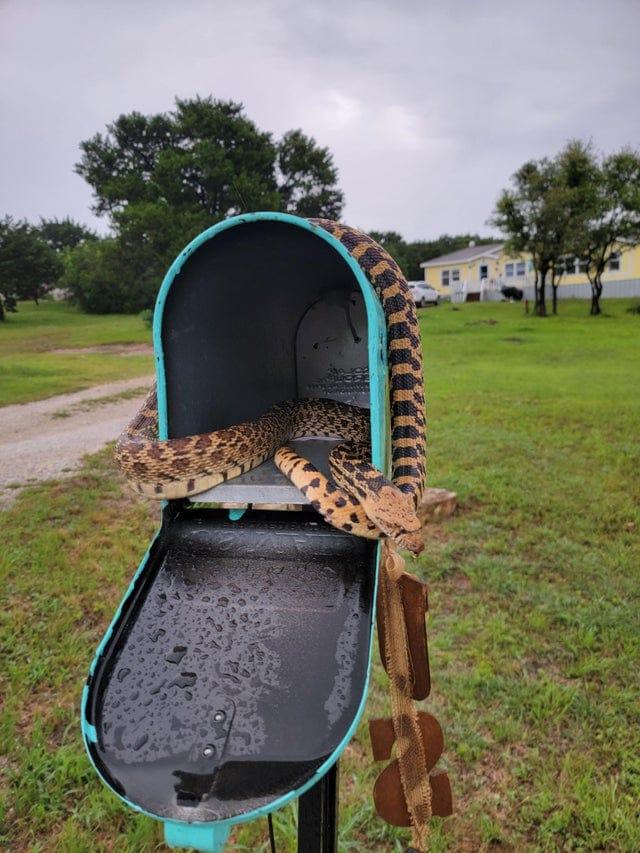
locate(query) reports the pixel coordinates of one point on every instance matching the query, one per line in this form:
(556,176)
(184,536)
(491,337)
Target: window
(583,266)
(455,275)
(520,269)
(444,278)
(614,262)
(569,265)
(508,270)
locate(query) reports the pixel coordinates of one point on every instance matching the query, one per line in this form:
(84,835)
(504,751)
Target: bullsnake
(358,498)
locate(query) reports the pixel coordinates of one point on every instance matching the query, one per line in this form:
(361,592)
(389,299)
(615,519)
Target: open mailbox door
(235,670)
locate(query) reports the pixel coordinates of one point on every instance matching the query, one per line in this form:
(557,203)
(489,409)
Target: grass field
(534,590)
(32,367)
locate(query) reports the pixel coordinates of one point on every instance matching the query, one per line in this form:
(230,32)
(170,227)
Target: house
(463,271)
(479,272)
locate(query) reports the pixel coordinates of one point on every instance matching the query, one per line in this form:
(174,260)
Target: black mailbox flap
(237,664)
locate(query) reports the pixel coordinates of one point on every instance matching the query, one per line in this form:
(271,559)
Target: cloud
(336,111)
(427,107)
(403,128)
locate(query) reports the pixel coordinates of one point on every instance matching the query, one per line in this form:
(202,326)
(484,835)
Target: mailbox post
(235,670)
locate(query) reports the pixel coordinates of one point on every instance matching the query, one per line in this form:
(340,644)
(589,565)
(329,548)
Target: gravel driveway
(48,438)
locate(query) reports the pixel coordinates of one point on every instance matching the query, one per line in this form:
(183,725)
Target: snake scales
(358,498)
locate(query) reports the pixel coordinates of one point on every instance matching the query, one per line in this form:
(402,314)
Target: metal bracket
(318,816)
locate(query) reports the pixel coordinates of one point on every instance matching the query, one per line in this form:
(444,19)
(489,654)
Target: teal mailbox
(235,670)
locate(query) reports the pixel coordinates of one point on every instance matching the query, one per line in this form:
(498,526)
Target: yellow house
(480,272)
(463,270)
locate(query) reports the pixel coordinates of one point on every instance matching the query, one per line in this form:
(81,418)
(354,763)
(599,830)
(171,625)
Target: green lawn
(534,590)
(30,367)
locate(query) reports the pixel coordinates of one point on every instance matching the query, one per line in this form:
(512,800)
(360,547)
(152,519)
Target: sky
(428,107)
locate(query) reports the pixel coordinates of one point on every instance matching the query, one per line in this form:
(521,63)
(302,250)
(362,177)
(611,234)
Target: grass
(534,590)
(31,367)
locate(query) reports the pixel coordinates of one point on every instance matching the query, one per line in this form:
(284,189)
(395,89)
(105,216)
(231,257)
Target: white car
(423,294)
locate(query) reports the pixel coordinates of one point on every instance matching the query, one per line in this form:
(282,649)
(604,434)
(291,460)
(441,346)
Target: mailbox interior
(263,313)
(236,669)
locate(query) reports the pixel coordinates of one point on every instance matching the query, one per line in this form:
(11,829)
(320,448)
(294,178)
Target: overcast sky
(428,107)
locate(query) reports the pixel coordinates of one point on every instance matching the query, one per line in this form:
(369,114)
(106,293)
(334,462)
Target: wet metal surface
(240,665)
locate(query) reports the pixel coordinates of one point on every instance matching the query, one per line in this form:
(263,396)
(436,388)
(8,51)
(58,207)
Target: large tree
(162,179)
(28,266)
(540,214)
(524,215)
(609,222)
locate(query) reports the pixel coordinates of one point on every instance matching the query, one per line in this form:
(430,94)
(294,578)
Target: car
(423,294)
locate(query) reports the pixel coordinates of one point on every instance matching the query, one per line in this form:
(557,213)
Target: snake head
(394,513)
(413,541)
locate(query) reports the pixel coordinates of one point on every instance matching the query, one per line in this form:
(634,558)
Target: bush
(87,278)
(102,278)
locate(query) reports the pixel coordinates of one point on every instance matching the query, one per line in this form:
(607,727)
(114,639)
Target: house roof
(469,253)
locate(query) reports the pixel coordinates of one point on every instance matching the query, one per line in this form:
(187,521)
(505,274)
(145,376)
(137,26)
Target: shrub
(102,278)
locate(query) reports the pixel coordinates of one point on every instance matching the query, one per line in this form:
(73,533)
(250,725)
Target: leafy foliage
(609,220)
(91,276)
(579,204)
(535,216)
(307,177)
(118,275)
(28,266)
(206,155)
(64,233)
(162,179)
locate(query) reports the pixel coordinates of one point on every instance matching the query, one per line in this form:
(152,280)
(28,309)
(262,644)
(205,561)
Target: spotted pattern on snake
(358,498)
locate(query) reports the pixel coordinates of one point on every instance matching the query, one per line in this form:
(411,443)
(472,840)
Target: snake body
(358,498)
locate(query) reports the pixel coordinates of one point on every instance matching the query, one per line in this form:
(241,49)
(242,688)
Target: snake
(357,498)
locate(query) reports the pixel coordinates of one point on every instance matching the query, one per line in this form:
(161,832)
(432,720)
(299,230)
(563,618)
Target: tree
(28,266)
(579,204)
(521,214)
(609,223)
(120,165)
(92,277)
(539,214)
(566,203)
(63,234)
(307,177)
(162,179)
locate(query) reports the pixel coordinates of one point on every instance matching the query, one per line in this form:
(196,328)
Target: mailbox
(235,670)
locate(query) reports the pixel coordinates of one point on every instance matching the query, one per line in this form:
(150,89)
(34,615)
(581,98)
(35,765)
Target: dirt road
(48,438)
